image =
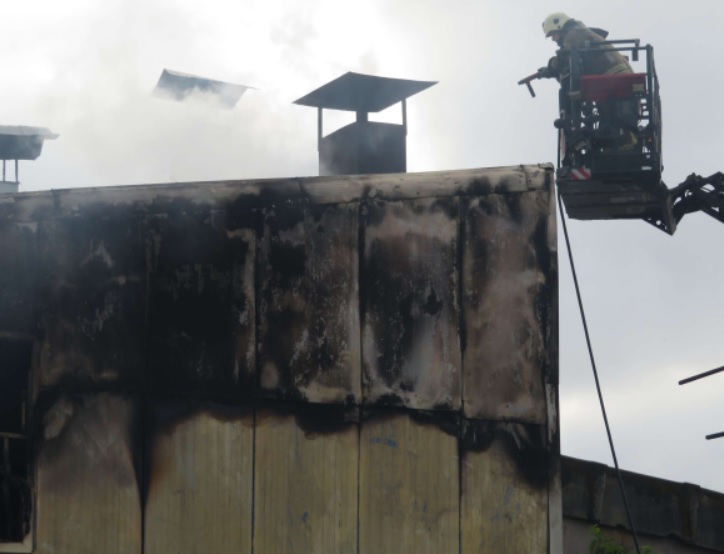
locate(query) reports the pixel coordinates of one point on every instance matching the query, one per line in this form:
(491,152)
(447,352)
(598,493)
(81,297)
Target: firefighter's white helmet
(554,22)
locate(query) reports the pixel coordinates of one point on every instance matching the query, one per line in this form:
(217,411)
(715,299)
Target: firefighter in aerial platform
(570,34)
(609,126)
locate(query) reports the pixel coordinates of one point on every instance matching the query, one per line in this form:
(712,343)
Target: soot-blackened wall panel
(94,319)
(509,295)
(201,312)
(22,275)
(203,284)
(308,303)
(410,298)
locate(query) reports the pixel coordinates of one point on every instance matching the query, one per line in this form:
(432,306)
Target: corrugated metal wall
(351,364)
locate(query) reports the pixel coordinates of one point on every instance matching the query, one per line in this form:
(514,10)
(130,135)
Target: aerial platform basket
(610,160)
(594,199)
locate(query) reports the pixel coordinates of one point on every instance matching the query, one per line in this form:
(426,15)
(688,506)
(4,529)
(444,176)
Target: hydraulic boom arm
(698,193)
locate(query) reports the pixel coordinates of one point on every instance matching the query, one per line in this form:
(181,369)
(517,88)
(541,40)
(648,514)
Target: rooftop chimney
(363,146)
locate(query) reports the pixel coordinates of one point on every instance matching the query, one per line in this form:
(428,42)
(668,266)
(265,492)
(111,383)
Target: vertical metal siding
(356,364)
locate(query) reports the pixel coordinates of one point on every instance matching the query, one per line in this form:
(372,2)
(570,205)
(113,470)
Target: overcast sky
(655,303)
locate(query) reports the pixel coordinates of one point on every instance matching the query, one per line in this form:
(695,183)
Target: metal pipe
(319,129)
(404,113)
(701,375)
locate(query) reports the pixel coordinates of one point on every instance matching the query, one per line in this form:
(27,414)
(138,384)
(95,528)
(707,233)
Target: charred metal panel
(308,304)
(410,296)
(200,472)
(201,306)
(508,312)
(504,497)
(408,485)
(440,287)
(22,276)
(306,480)
(88,495)
(97,294)
(26,207)
(432,184)
(236,197)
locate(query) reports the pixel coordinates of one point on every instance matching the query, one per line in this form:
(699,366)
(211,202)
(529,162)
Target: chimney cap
(357,92)
(20,142)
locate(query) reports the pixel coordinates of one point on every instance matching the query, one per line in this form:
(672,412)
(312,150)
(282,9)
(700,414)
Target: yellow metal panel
(502,511)
(305,487)
(409,488)
(88,498)
(200,490)
(555,494)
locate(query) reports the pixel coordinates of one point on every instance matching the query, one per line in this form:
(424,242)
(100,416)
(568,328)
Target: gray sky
(86,70)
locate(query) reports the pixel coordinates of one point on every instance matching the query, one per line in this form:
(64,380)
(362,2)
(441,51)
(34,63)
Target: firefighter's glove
(550,71)
(545,73)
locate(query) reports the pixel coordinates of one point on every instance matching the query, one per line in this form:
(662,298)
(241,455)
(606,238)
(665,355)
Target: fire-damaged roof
(19,142)
(362,93)
(179,86)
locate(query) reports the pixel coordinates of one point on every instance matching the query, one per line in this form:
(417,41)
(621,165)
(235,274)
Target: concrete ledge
(685,513)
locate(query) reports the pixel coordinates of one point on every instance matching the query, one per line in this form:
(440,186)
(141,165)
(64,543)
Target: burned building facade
(336,364)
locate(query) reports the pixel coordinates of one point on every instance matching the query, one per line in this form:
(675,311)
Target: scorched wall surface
(343,364)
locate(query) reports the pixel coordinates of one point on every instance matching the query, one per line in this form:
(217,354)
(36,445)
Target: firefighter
(570,34)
